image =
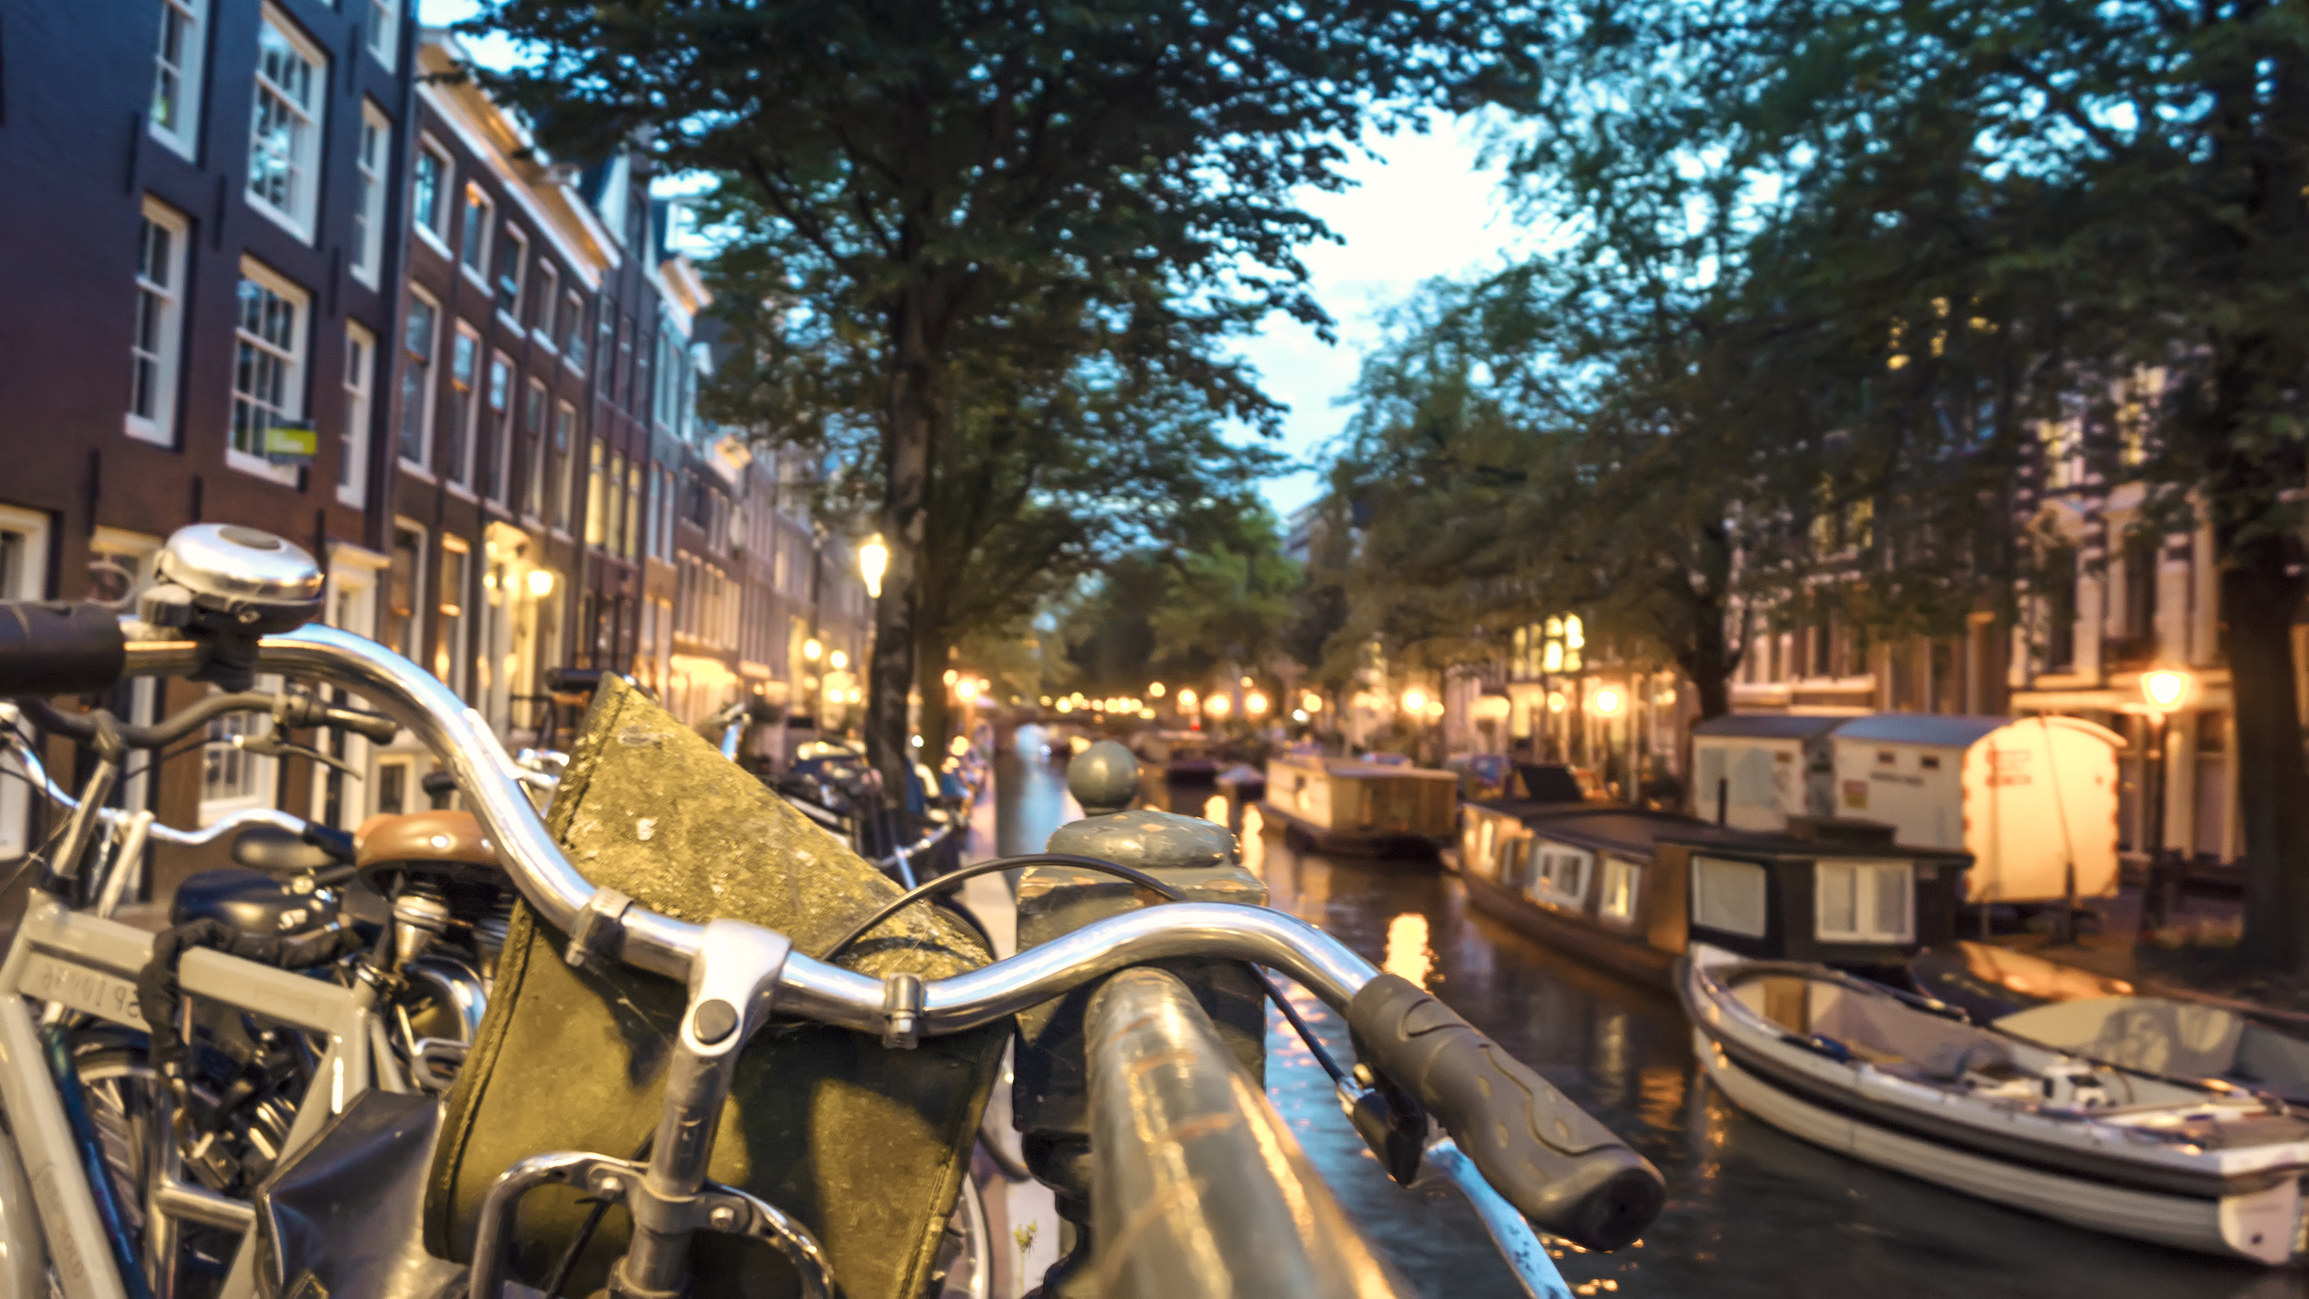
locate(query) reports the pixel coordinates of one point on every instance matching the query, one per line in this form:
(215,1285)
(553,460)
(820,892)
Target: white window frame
(520,248)
(167,354)
(534,495)
(450,649)
(1730,896)
(304,198)
(424,409)
(384,43)
(294,361)
(570,447)
(1866,880)
(190,72)
(24,579)
(502,421)
(414,650)
(1560,874)
(1622,892)
(372,162)
(548,300)
(467,413)
(475,260)
(433,226)
(572,345)
(360,412)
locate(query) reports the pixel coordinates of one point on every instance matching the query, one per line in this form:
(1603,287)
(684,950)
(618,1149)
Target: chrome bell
(232,578)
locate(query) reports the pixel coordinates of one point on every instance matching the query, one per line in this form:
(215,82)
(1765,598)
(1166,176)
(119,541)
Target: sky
(1422,206)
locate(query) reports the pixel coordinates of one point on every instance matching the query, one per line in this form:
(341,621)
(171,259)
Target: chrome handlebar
(460,738)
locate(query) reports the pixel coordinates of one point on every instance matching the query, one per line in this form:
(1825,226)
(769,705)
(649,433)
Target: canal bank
(1751,1212)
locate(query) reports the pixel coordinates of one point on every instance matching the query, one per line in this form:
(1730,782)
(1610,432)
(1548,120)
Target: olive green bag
(865,1145)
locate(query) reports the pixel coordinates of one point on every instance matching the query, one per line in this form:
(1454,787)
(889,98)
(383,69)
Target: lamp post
(1608,702)
(2164,690)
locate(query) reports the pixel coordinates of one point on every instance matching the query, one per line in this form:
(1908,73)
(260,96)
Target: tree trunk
(930,670)
(2258,601)
(905,516)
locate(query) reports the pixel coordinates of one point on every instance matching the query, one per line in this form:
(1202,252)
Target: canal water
(1750,1212)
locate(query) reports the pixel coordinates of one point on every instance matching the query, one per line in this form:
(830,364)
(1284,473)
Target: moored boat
(1630,888)
(1184,757)
(1362,808)
(1901,1082)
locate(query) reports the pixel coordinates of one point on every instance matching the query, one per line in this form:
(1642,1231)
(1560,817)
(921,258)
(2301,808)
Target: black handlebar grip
(1554,1162)
(60,649)
(367,725)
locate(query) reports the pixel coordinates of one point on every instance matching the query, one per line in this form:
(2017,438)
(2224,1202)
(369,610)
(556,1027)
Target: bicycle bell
(236,584)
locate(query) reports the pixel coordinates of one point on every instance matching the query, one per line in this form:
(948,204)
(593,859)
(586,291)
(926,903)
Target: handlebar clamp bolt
(902,999)
(714,1022)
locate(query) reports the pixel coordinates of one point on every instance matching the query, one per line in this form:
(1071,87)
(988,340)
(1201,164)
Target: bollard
(1200,1189)
(1050,1095)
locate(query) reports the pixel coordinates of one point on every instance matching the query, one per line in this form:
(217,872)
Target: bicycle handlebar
(1581,1189)
(60,649)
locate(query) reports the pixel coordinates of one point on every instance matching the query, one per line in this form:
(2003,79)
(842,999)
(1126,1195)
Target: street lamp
(1311,702)
(1255,704)
(839,661)
(1218,705)
(1187,699)
(1608,703)
(1154,690)
(1415,700)
(813,650)
(2165,690)
(873,561)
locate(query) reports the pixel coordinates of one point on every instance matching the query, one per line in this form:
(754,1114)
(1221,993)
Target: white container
(1762,768)
(2028,798)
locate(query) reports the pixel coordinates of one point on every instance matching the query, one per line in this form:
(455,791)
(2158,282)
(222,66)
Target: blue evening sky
(1422,207)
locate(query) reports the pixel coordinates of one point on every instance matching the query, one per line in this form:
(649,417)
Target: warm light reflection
(1215,809)
(959,747)
(966,690)
(873,562)
(1407,953)
(1254,842)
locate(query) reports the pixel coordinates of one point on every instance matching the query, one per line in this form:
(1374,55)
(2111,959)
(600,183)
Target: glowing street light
(839,661)
(1415,700)
(1218,705)
(873,561)
(541,582)
(1154,690)
(812,650)
(1310,702)
(1255,704)
(2165,689)
(966,690)
(1187,699)
(1556,703)
(1607,701)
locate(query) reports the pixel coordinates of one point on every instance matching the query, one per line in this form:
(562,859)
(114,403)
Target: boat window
(1561,874)
(1622,883)
(1863,901)
(1728,895)
(1514,856)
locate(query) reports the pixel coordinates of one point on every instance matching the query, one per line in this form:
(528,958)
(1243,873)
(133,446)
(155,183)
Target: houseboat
(1183,757)
(1362,808)
(1631,889)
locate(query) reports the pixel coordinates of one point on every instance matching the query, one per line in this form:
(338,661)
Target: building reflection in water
(1408,954)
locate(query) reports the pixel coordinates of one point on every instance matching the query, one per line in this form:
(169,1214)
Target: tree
(923,168)
(2068,234)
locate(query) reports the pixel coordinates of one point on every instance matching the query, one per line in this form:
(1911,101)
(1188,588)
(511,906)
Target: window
(548,296)
(1862,901)
(1560,874)
(23,576)
(268,367)
(512,271)
(369,213)
(360,370)
(417,346)
(399,628)
(449,656)
(573,330)
(500,427)
(464,405)
(535,461)
(631,547)
(1622,887)
(159,343)
(1728,896)
(596,497)
(231,777)
(622,381)
(603,337)
(177,75)
(385,30)
(1514,862)
(474,245)
(429,192)
(285,140)
(558,466)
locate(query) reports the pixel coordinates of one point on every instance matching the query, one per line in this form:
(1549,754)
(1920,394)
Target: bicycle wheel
(127,1102)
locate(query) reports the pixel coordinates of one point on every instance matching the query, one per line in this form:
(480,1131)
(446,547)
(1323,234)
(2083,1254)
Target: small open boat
(1900,1082)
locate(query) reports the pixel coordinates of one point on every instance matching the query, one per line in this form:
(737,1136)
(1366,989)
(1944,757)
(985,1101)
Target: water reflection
(1751,1211)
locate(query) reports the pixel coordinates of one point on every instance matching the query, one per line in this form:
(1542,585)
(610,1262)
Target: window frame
(1867,900)
(565,459)
(360,381)
(167,356)
(421,410)
(302,216)
(1749,880)
(572,342)
(498,404)
(449,643)
(368,257)
(1621,897)
(1548,862)
(414,650)
(472,260)
(191,78)
(536,418)
(384,35)
(293,382)
(515,241)
(545,301)
(433,225)
(465,406)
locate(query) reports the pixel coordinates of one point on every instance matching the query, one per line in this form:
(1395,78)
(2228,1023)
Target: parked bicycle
(230,603)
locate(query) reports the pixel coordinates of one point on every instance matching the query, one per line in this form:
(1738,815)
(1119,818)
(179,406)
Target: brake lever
(1519,1246)
(267,746)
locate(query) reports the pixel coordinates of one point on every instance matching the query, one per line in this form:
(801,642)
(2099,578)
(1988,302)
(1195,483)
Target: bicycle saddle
(252,903)
(437,847)
(275,851)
